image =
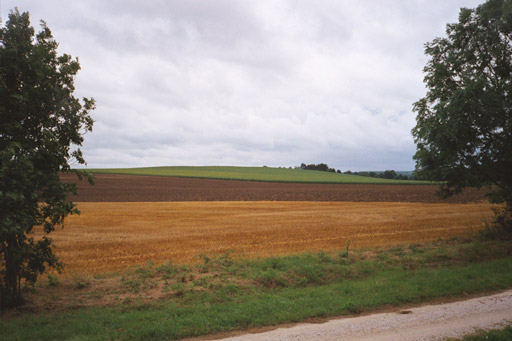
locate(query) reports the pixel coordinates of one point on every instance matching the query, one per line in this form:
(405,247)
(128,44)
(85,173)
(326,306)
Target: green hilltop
(266,174)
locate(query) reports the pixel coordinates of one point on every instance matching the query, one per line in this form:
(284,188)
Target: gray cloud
(248,82)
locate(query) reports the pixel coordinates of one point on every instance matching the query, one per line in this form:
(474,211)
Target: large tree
(464,123)
(41,128)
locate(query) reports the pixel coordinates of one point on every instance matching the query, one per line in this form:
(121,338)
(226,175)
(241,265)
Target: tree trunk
(10,293)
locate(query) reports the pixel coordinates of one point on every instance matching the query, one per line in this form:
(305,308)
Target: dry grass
(108,237)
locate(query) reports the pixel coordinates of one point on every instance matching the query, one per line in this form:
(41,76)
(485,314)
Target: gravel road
(432,322)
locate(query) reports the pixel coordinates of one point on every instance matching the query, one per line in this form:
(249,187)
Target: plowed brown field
(116,188)
(110,236)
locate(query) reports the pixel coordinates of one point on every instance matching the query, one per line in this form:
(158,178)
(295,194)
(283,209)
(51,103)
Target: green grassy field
(255,174)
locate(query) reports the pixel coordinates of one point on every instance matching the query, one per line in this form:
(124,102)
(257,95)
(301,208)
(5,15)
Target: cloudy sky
(248,83)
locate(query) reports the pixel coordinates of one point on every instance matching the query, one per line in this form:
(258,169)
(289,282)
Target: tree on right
(463,125)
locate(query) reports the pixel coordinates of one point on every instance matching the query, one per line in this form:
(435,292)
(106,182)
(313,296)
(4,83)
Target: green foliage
(464,123)
(320,167)
(80,284)
(53,280)
(257,174)
(40,121)
(500,227)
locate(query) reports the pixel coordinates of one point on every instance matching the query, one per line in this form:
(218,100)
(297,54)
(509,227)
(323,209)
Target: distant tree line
(387,174)
(320,167)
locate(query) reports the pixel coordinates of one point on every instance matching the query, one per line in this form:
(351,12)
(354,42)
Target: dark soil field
(136,188)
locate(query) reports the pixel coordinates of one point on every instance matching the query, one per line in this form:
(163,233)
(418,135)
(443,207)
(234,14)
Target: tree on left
(41,129)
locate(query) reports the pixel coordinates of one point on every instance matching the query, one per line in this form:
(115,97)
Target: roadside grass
(222,293)
(504,334)
(267,174)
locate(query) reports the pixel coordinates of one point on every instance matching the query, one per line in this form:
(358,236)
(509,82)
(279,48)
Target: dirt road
(432,322)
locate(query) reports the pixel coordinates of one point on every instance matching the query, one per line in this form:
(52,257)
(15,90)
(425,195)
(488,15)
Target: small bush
(271,279)
(53,280)
(166,269)
(500,228)
(311,274)
(80,284)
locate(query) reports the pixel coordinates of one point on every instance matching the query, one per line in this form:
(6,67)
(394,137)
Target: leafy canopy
(463,131)
(41,128)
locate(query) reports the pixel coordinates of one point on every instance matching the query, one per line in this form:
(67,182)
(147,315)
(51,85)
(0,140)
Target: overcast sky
(248,83)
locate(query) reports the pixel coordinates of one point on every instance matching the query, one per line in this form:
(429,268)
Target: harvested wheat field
(111,236)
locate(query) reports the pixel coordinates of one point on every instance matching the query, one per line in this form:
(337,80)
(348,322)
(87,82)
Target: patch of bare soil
(131,288)
(133,188)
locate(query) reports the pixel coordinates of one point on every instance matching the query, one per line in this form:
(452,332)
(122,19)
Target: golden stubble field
(111,236)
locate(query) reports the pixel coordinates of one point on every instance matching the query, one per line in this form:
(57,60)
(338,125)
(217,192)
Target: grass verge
(225,294)
(504,334)
(267,174)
